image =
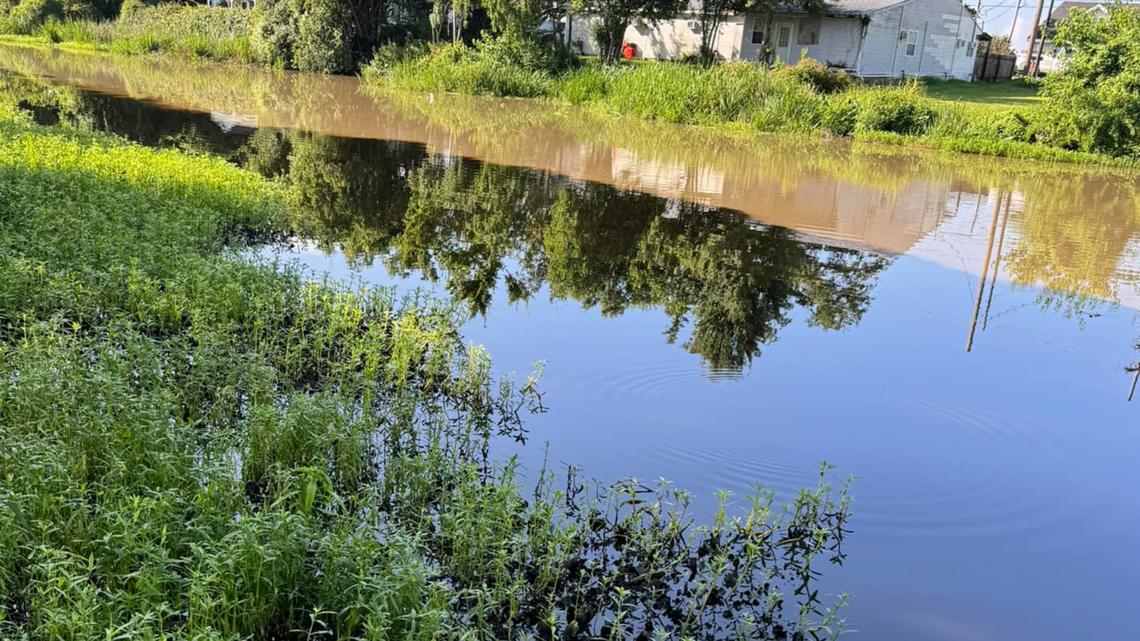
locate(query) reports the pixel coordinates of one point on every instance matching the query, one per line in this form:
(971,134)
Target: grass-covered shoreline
(1088,113)
(198,445)
(744,97)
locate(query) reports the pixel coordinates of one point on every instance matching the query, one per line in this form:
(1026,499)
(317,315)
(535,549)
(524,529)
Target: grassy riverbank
(194,32)
(804,98)
(198,445)
(1001,120)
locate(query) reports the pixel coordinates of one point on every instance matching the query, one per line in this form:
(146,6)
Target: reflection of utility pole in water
(1135,378)
(997,261)
(985,272)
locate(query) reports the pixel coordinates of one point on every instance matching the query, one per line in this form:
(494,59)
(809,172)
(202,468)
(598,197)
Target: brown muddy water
(959,333)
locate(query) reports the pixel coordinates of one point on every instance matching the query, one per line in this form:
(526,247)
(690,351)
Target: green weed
(197,445)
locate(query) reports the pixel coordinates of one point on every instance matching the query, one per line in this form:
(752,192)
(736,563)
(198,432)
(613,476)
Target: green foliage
(324,37)
(29,15)
(1093,103)
(275,32)
(191,31)
(815,74)
(590,84)
(461,69)
(130,6)
(200,445)
(902,110)
(840,115)
(514,19)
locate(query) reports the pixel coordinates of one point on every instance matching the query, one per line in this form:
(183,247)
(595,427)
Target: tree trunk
(710,26)
(767,49)
(612,38)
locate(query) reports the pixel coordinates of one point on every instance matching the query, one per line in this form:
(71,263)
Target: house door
(782,40)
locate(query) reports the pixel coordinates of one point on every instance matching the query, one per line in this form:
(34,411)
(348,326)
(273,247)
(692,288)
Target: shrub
(196,31)
(816,75)
(387,56)
(1093,103)
(461,69)
(902,110)
(323,42)
(542,54)
(29,15)
(130,6)
(274,32)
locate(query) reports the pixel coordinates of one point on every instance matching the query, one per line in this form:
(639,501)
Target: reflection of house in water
(234,123)
(657,176)
(821,207)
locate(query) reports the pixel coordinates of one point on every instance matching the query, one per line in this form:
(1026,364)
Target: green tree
(1001,45)
(1093,103)
(515,19)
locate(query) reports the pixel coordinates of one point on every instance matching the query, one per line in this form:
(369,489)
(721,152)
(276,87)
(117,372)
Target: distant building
(1052,59)
(869,38)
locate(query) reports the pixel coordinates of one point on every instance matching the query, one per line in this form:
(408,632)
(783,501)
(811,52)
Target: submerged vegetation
(195,444)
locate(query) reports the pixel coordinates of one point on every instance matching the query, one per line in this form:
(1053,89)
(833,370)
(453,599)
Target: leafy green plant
(199,444)
(901,110)
(818,76)
(1093,103)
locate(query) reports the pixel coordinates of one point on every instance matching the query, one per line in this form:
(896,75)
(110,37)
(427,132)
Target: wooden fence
(994,66)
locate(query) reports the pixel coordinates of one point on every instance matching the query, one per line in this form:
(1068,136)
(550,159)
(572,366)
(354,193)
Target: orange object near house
(628,51)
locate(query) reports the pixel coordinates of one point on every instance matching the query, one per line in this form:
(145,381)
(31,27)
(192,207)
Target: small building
(868,38)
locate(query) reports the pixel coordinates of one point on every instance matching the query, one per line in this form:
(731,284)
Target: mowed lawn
(1013,93)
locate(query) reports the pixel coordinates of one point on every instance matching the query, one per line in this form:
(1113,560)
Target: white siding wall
(838,40)
(940,24)
(666,39)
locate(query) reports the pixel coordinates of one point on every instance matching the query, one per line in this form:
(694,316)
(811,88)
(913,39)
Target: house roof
(849,7)
(859,7)
(836,7)
(1065,9)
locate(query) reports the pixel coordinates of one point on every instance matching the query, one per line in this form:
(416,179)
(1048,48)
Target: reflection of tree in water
(1073,235)
(733,282)
(475,227)
(730,285)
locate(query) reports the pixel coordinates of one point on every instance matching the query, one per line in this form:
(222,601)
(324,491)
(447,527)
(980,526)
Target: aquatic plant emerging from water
(199,446)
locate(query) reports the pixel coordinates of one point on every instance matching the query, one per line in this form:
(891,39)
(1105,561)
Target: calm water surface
(959,333)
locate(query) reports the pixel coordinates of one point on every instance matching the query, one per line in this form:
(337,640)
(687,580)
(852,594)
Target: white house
(869,38)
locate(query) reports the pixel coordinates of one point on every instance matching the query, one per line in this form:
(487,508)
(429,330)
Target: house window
(911,37)
(809,32)
(783,36)
(757,34)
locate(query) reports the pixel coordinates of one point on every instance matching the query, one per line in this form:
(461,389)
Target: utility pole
(1033,35)
(1013,26)
(1044,33)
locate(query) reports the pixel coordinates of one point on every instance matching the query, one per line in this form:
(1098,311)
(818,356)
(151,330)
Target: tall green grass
(197,445)
(197,32)
(802,98)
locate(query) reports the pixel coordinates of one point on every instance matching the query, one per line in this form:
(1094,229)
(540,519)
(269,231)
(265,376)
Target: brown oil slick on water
(1073,230)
